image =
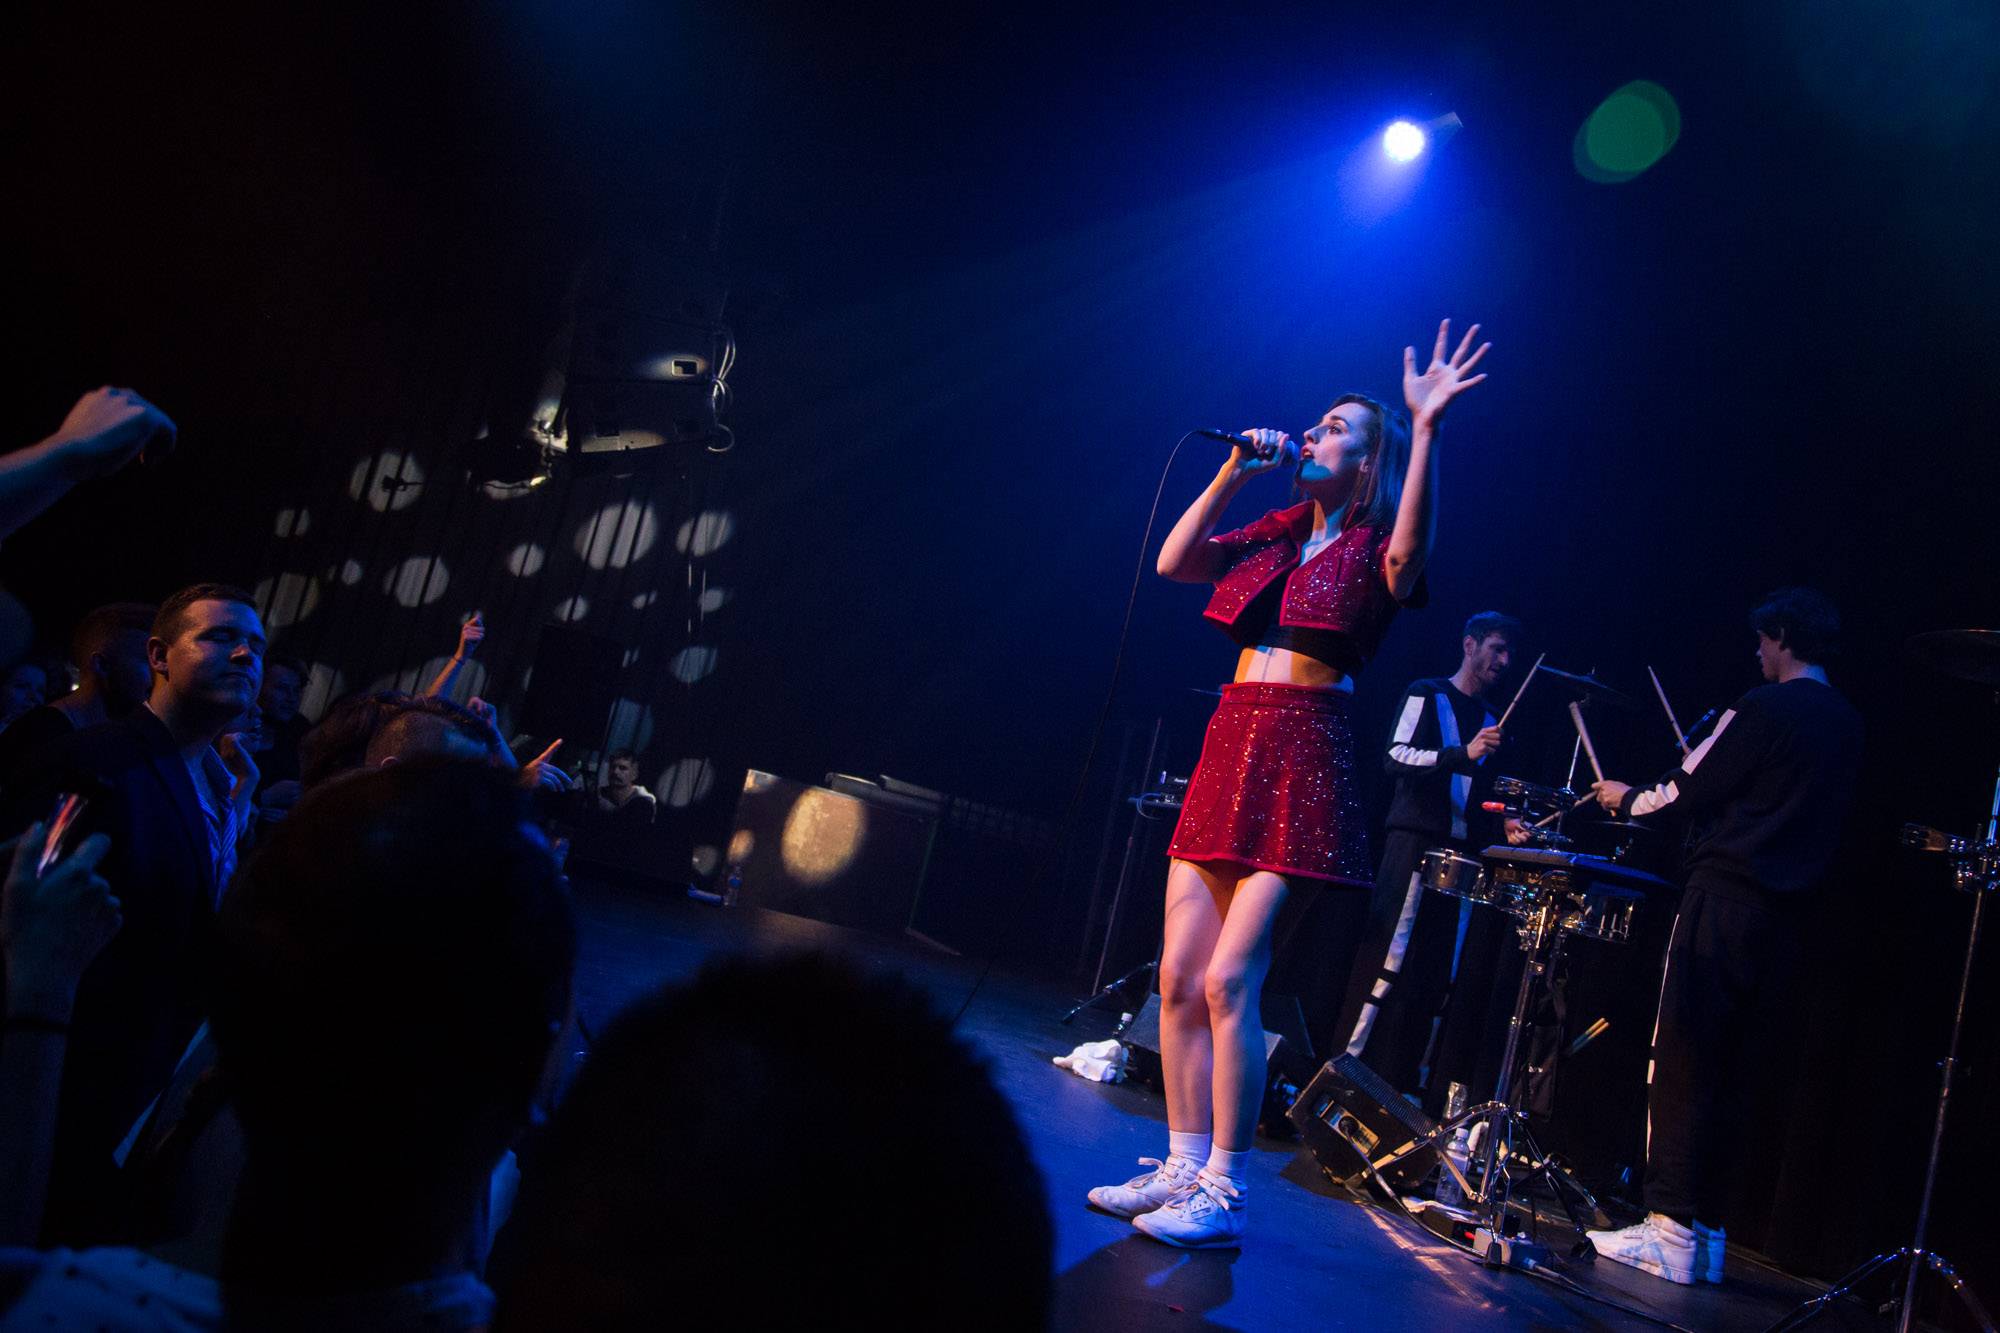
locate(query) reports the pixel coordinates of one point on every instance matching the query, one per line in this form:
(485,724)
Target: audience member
(174,809)
(393,967)
(23,689)
(621,796)
(280,728)
(422,727)
(676,1181)
(108,650)
(346,738)
(274,741)
(339,743)
(470,635)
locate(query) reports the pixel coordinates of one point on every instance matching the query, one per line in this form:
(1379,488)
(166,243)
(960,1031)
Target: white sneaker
(1710,1243)
(1207,1215)
(1659,1245)
(1142,1194)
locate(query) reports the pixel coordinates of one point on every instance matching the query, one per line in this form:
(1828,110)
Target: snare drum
(1460,876)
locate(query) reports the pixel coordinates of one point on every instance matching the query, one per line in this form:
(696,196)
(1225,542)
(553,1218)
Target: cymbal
(1967,654)
(1591,688)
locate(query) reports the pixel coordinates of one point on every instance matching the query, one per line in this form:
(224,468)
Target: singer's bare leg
(1233,987)
(1197,900)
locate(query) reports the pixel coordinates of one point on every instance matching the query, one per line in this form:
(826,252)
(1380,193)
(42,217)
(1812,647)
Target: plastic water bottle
(1458,1152)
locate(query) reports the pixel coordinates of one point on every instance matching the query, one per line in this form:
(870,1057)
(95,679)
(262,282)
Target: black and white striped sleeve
(1712,772)
(1416,742)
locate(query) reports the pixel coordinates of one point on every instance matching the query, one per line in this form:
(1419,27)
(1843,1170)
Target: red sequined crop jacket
(1342,589)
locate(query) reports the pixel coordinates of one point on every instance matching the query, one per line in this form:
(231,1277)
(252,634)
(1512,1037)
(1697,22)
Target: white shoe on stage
(1142,1194)
(1659,1245)
(1207,1215)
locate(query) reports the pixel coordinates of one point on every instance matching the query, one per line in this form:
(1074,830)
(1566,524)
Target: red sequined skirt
(1276,788)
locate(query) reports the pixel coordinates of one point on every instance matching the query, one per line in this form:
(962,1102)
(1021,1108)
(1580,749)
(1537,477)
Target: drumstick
(1680,737)
(1583,734)
(1518,693)
(1551,818)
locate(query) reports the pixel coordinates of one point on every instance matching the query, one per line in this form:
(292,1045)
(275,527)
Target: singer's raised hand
(1429,393)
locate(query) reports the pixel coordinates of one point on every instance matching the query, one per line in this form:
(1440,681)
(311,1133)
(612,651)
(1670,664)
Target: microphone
(1247,446)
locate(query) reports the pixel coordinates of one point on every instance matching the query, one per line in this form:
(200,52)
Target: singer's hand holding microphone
(1258,450)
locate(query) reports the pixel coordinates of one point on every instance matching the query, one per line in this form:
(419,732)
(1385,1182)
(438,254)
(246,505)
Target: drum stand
(1977,869)
(1497,1241)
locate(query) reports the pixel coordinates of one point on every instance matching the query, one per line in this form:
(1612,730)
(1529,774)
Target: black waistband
(1326,646)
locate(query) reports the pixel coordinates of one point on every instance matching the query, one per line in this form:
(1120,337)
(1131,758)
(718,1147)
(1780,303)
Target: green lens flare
(1629,131)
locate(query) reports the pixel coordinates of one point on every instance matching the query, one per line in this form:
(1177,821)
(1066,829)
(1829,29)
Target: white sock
(1231,1166)
(1194,1148)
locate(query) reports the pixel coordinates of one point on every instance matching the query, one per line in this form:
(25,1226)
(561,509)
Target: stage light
(1403,142)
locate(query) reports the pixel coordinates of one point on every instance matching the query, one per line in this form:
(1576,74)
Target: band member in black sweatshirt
(1771,787)
(1436,754)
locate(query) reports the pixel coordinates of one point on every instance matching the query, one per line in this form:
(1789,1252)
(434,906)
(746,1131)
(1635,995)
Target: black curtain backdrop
(984,272)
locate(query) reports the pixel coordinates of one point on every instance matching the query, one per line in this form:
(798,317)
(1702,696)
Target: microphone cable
(1117,661)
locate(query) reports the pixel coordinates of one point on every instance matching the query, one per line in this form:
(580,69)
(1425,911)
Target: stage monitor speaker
(1350,1117)
(570,693)
(1142,1039)
(825,855)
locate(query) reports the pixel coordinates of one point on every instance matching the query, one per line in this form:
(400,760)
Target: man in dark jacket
(1772,786)
(173,809)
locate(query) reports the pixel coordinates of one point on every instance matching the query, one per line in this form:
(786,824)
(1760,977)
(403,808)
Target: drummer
(1772,786)
(1415,944)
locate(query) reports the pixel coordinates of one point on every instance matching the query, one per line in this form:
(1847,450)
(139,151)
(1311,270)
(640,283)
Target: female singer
(1274,806)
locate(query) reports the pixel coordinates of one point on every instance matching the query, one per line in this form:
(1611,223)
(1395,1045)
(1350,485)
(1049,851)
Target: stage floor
(1315,1258)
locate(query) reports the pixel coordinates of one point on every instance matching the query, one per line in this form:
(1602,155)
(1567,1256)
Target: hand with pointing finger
(541,774)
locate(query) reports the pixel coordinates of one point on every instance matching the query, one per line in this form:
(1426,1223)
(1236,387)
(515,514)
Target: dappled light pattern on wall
(631,726)
(526,560)
(285,600)
(705,533)
(323,685)
(693,662)
(387,482)
(418,581)
(686,782)
(617,535)
(380,537)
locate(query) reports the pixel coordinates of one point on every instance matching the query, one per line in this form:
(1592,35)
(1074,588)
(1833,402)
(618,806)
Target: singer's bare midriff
(1282,666)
